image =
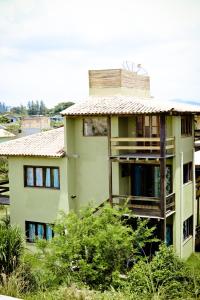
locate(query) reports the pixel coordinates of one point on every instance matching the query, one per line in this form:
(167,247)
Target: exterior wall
(184,193)
(87,166)
(33,203)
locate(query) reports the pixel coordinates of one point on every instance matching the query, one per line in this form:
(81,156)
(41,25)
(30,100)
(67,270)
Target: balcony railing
(4,192)
(141,144)
(145,206)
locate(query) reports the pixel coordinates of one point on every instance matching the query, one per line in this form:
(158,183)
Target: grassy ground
(194,262)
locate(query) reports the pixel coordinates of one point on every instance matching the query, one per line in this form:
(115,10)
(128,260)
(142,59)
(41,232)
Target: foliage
(90,248)
(59,107)
(11,248)
(4,119)
(36,108)
(13,128)
(57,124)
(19,110)
(3,168)
(166,275)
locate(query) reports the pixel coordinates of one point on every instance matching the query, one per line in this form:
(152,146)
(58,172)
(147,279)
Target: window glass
(40,229)
(186,125)
(49,232)
(187,172)
(188,228)
(95,127)
(29,177)
(48,177)
(39,177)
(55,178)
(31,232)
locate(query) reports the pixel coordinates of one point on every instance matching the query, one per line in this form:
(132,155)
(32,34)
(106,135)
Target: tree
(19,110)
(42,108)
(91,248)
(59,107)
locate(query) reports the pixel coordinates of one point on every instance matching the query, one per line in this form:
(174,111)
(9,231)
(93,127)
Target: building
(5,135)
(118,144)
(34,124)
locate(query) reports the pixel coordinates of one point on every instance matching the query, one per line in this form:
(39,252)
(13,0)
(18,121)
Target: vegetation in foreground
(95,256)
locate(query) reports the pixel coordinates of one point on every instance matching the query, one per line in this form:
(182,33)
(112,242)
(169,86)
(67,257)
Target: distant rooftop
(48,143)
(126,105)
(4,133)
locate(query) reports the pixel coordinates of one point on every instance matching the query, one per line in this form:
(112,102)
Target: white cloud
(47,46)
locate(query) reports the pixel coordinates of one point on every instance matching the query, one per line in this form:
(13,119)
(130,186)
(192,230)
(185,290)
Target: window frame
(186,126)
(98,135)
(36,231)
(188,226)
(43,177)
(189,172)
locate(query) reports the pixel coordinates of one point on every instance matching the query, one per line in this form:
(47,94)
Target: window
(188,228)
(95,127)
(35,230)
(148,126)
(186,125)
(187,172)
(47,177)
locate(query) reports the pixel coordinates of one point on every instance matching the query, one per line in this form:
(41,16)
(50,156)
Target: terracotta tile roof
(48,143)
(4,133)
(119,105)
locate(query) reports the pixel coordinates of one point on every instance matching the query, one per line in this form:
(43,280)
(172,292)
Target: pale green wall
(89,170)
(31,203)
(184,195)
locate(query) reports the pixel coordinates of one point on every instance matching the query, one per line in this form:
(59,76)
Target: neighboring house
(118,144)
(12,118)
(56,118)
(5,135)
(34,124)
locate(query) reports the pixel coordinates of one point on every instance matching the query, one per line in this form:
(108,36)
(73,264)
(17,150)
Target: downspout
(181,205)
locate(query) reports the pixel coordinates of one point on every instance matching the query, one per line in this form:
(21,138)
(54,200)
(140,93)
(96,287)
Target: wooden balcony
(146,206)
(141,146)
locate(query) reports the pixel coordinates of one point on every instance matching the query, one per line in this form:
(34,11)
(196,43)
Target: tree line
(34,108)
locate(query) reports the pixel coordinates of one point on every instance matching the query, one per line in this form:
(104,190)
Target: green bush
(90,248)
(11,248)
(166,275)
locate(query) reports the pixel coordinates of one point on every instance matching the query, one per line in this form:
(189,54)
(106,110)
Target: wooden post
(163,175)
(109,160)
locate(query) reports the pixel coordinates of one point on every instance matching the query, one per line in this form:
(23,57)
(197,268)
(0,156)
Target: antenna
(131,66)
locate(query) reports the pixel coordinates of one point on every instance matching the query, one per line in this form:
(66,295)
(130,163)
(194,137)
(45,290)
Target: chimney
(118,82)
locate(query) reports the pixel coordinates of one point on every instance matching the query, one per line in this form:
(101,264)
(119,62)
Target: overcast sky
(47,46)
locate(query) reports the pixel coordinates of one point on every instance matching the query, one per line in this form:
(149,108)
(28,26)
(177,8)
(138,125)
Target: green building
(118,144)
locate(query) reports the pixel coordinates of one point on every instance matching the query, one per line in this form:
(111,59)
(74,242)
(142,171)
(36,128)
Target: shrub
(11,248)
(90,248)
(165,275)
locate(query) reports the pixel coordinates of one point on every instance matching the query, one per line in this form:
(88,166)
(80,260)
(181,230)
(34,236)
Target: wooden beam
(135,147)
(134,139)
(163,174)
(109,160)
